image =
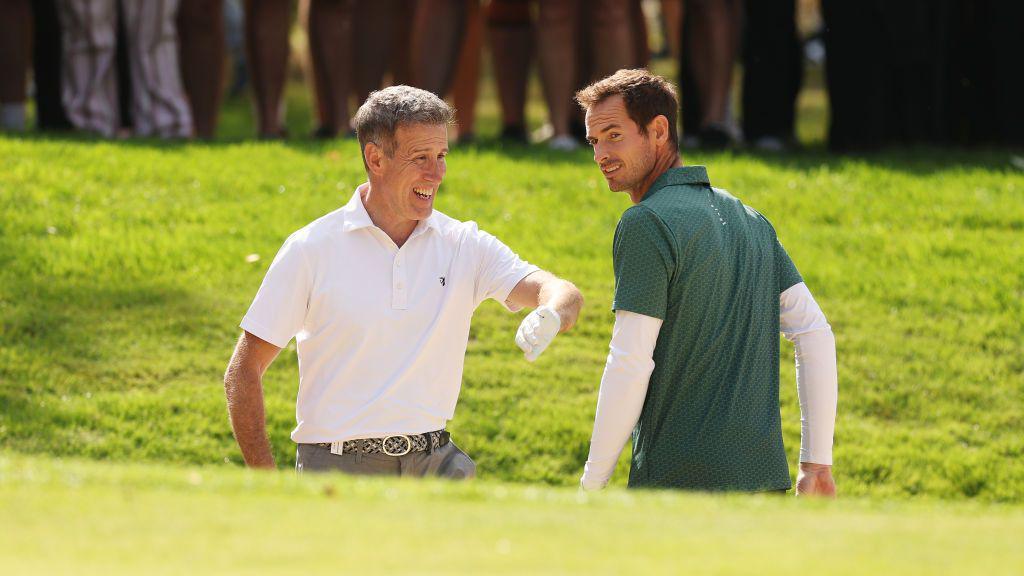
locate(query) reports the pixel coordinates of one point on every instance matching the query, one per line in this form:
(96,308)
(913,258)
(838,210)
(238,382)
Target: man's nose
(435,171)
(599,154)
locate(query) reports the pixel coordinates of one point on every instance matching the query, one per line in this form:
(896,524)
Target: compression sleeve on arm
(623,391)
(803,323)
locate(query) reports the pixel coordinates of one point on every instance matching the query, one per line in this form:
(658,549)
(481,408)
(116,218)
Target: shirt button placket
(398,299)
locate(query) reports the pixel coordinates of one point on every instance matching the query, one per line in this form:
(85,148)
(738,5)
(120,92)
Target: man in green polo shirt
(702,289)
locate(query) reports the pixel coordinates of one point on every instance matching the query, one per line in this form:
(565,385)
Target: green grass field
(131,519)
(126,266)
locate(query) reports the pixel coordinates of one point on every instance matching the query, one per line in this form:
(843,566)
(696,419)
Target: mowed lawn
(87,518)
(125,268)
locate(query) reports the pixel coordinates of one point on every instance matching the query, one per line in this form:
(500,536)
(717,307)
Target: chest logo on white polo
(441,278)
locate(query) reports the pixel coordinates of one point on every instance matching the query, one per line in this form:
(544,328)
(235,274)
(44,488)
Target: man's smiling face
(412,175)
(624,155)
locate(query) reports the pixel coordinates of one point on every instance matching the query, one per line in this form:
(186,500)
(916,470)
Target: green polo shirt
(712,269)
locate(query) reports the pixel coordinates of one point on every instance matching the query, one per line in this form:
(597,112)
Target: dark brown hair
(646,96)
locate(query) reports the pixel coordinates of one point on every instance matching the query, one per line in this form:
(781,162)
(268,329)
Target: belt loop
(430,443)
(359,450)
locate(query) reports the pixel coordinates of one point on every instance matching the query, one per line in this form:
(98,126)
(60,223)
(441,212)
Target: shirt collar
(356,217)
(682,176)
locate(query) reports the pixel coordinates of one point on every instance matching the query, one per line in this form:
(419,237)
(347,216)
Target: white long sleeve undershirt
(817,382)
(630,363)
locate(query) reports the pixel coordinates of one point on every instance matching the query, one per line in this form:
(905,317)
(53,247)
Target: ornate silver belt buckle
(384,445)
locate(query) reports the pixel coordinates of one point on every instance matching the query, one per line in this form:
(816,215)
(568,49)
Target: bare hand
(815,480)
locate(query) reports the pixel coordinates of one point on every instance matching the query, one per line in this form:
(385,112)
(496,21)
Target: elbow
(576,295)
(572,300)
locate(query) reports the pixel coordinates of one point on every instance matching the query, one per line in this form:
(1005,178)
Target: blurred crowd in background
(897,71)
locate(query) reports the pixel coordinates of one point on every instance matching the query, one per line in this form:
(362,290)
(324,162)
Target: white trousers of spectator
(89,93)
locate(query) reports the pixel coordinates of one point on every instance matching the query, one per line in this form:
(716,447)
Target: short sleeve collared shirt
(381,331)
(712,269)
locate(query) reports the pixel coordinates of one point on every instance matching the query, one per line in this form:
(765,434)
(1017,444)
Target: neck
(667,159)
(397,229)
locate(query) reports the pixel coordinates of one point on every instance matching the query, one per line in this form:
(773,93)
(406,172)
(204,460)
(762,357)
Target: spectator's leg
(556,47)
(89,83)
(672,20)
(15,40)
(611,37)
(438,31)
(466,86)
(159,106)
(266,44)
(201,52)
(330,49)
(1004,27)
(375,27)
(689,96)
(638,27)
(713,53)
(772,72)
(401,56)
(857,76)
(47,66)
(510,32)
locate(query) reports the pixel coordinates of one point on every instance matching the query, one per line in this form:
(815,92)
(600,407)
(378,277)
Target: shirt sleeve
(644,258)
(787,272)
(627,372)
(499,269)
(279,310)
(817,383)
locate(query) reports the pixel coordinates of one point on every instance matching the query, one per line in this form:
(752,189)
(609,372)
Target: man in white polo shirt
(379,295)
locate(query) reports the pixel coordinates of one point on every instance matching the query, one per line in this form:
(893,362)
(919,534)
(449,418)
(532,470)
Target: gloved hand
(537,331)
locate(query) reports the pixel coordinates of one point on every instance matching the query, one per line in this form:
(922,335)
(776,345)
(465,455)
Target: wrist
(809,467)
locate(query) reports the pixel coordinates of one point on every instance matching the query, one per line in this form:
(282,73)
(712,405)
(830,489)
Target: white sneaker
(563,143)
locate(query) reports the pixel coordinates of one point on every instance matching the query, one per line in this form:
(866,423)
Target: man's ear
(374,157)
(658,129)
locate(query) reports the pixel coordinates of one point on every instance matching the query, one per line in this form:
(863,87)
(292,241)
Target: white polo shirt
(381,331)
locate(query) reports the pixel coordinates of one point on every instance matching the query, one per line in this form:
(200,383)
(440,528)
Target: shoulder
(448,226)
(643,219)
(317,232)
(640,216)
(752,215)
(455,231)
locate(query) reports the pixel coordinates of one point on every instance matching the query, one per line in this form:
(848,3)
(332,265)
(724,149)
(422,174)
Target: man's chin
(618,186)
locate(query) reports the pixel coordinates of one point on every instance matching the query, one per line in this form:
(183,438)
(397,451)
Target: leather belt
(393,445)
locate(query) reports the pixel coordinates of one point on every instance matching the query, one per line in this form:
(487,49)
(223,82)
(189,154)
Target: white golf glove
(537,331)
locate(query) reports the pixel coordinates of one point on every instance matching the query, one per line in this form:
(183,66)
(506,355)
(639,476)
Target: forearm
(817,388)
(564,298)
(623,392)
(619,403)
(803,323)
(244,391)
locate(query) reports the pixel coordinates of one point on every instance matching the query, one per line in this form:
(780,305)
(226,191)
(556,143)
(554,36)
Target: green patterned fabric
(712,269)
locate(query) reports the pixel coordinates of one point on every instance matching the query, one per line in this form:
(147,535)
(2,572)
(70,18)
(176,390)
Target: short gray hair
(385,110)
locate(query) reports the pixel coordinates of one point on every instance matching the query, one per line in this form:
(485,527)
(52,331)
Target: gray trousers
(447,461)
(89,31)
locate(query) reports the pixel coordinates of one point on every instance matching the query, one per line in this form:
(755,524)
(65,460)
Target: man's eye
(615,135)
